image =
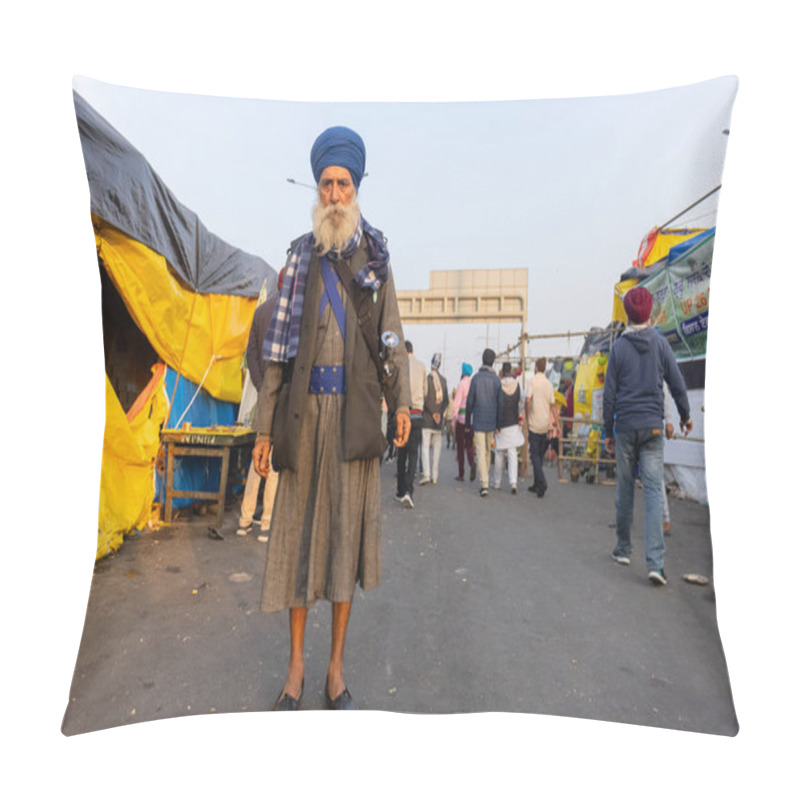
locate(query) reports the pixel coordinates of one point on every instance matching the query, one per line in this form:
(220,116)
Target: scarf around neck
(437,386)
(283,333)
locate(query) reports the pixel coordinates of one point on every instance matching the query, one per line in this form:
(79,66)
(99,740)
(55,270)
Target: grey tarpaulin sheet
(127,193)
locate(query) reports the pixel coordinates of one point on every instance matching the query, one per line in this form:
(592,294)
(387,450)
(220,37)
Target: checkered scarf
(283,333)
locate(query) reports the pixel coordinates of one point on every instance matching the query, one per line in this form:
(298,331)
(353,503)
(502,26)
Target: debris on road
(700,580)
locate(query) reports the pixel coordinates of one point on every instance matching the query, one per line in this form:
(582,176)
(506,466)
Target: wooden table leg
(223,484)
(170,475)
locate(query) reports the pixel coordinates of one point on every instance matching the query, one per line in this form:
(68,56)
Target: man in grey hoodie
(633,414)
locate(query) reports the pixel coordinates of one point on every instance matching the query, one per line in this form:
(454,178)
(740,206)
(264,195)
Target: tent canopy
(127,193)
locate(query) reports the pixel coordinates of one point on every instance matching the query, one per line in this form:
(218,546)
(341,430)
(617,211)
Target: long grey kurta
(326,532)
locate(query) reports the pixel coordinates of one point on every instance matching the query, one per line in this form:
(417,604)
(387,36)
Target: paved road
(504,603)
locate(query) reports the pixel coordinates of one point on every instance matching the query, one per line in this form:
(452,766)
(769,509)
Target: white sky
(53,402)
(566,188)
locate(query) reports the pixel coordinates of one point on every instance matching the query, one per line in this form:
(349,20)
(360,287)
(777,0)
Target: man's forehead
(335,173)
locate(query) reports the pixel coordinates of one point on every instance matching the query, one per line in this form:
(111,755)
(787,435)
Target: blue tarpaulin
(193,473)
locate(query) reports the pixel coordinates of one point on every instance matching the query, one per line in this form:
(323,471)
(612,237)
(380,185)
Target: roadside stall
(177,305)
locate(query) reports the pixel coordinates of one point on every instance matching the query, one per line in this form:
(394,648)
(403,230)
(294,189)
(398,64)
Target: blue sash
(331,294)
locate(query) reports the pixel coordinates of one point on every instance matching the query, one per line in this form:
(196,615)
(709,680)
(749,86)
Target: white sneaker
(263,536)
(621,559)
(244,530)
(425,479)
(657,577)
(407,501)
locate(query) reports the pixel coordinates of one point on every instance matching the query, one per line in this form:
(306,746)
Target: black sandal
(343,702)
(286,702)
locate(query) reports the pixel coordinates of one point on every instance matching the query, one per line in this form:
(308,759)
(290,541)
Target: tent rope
(199,387)
(180,363)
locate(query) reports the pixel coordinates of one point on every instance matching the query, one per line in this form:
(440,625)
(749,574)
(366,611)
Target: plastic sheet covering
(691,481)
(130,448)
(201,410)
(185,328)
(657,244)
(620,290)
(127,193)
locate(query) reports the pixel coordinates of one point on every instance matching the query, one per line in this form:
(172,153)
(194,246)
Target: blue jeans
(644,447)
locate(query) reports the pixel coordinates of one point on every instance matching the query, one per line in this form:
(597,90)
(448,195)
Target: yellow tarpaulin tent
(173,293)
(130,449)
(193,333)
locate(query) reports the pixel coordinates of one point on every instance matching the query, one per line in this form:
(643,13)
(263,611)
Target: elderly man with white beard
(334,346)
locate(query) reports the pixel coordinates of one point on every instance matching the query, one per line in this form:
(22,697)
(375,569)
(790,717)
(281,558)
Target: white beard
(333,225)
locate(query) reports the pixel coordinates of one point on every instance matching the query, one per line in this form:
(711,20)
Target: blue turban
(339,147)
(466,369)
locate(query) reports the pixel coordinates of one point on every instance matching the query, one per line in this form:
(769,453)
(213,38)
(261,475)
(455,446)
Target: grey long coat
(362,437)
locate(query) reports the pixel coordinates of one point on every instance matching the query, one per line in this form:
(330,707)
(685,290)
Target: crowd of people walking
(484,419)
(489,414)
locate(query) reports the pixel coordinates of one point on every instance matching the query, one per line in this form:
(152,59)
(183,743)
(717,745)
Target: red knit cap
(638,304)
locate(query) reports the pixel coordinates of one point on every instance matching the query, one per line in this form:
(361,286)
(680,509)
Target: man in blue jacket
(484,414)
(633,413)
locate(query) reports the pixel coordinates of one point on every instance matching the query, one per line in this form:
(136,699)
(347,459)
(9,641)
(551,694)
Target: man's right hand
(261,451)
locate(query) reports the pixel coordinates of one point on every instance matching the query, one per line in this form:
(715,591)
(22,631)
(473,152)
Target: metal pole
(689,208)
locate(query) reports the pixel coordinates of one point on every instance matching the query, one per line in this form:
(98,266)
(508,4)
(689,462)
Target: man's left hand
(261,451)
(686,427)
(403,426)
